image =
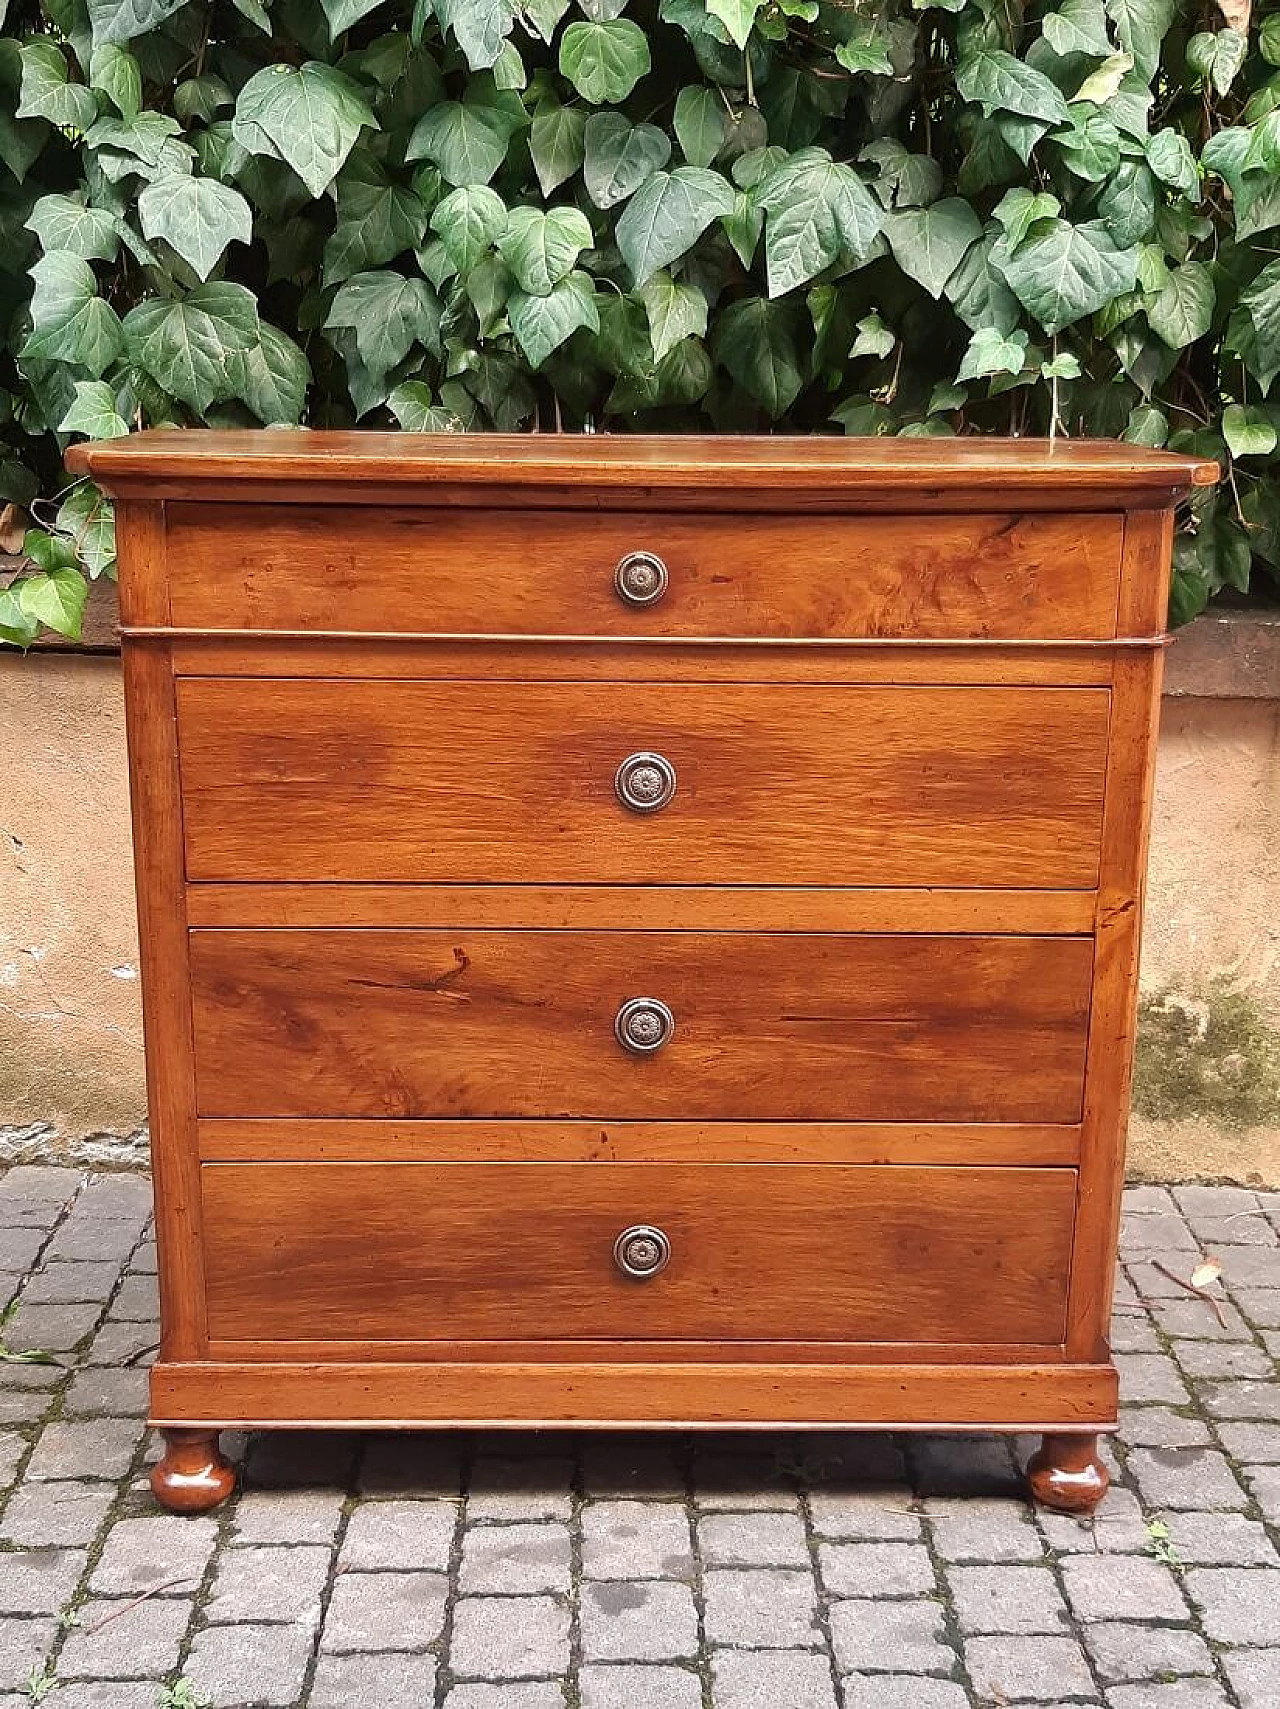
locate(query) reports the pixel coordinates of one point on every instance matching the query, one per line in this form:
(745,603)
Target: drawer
(416,1023)
(411,1252)
(552,572)
(512,782)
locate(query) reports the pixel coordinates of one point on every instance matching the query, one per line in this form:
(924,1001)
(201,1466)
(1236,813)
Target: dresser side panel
(156,798)
(1135,711)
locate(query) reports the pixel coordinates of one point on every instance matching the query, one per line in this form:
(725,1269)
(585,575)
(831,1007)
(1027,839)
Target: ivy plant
(870,217)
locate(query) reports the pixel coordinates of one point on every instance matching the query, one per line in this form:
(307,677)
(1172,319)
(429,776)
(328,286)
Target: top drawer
(555,572)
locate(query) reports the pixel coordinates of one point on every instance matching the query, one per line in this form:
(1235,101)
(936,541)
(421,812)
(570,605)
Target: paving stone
(739,1483)
(1098,1589)
(890,1637)
(642,1620)
(636,1539)
(103,1694)
(89,1240)
(1196,1201)
(98,1393)
(1256,1443)
(531,1694)
(1246,1399)
(1264,1485)
(1127,1651)
(142,1554)
(843,1460)
(1155,1275)
(766,1609)
(1185,1478)
(871,1515)
(63,1284)
(35,1191)
(1131,1332)
(399,1534)
(767,1679)
(634,1687)
(58,1514)
(39,1581)
(24,1644)
(1143,1199)
(1220,1234)
(138,1300)
(965,1465)
(144,1258)
(509,1637)
(1027,1670)
(114,1640)
(385,1611)
(1006,1600)
(1260,1305)
(237,1666)
(1254,1677)
(515,1560)
(975,1529)
(1197,1320)
(411,1463)
(406,1681)
(509,1490)
(1237,1605)
(621,1465)
(876,1569)
(1220,1540)
(103,1449)
(123,1344)
(753,1540)
(1158,1231)
(23,1406)
(21,1248)
(12,1448)
(1162,1427)
(881,1691)
(287,1516)
(1181,1694)
(261,1584)
(1151,1377)
(50,1328)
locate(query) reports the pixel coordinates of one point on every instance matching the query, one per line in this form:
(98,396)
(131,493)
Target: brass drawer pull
(640,578)
(645,782)
(643,1025)
(641,1251)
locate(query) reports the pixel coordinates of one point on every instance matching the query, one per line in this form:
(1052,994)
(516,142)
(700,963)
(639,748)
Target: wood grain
(600,1395)
(483,783)
(666,907)
(768,1026)
(388,1141)
(473,1251)
(449,571)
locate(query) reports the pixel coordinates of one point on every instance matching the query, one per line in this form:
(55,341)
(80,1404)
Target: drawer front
(553,572)
(508,782)
(513,1252)
(766,1026)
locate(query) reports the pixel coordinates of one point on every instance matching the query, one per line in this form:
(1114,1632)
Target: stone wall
(1207,1103)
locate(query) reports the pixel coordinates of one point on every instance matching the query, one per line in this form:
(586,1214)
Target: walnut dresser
(638,931)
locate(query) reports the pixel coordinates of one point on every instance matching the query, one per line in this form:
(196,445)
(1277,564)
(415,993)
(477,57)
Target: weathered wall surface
(1207,1101)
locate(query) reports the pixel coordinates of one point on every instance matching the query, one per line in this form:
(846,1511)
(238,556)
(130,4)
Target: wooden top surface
(801,463)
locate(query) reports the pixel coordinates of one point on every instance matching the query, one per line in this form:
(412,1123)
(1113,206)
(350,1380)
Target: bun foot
(1066,1474)
(192,1476)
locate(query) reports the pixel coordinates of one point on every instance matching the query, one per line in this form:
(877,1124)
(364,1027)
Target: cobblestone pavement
(560,1572)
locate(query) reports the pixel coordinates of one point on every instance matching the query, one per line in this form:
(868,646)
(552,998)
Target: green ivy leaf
(604,61)
(758,343)
(1217,58)
(388,314)
(1019,209)
(1248,432)
(189,347)
(197,217)
(1090,146)
(470,221)
(1261,303)
(699,125)
(70,322)
(378,219)
(47,92)
(272,378)
(1103,85)
(867,50)
(1182,310)
(87,517)
(115,72)
(1170,158)
(94,412)
(674,311)
(930,243)
(468,139)
(542,323)
(542,248)
(620,156)
(309,116)
(993,352)
(874,338)
(1141,26)
(1148,426)
(818,212)
(1078,27)
(737,16)
(17,628)
(65,222)
(480,28)
(122,20)
(556,143)
(1064,272)
(55,598)
(999,83)
(414,407)
(668,215)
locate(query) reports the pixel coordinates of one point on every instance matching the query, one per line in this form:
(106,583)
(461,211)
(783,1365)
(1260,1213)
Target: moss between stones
(1215,1056)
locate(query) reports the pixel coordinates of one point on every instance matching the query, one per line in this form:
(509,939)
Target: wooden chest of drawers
(638,932)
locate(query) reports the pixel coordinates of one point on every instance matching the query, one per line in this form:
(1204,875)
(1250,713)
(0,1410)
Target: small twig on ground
(156,1589)
(1200,1293)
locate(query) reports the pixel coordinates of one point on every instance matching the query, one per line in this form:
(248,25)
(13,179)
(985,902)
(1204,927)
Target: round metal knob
(643,1024)
(641,1251)
(645,782)
(640,578)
